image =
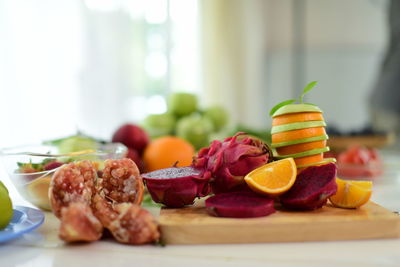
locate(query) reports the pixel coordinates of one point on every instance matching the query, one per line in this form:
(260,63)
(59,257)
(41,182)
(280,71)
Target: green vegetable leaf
(307,89)
(148,201)
(278,106)
(37,166)
(160,243)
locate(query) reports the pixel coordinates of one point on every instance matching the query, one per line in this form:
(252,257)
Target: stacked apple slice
(298,131)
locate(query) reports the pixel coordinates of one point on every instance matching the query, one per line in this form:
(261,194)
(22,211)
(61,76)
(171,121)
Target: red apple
(132,136)
(134,155)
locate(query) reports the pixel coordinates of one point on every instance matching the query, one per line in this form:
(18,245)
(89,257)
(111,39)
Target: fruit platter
(238,189)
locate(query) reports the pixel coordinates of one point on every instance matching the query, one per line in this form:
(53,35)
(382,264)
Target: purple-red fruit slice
(176,187)
(312,188)
(239,205)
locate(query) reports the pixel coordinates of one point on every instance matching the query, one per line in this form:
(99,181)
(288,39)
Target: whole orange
(165,151)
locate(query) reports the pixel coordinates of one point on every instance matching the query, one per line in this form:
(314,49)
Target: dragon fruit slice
(239,205)
(176,187)
(227,162)
(312,188)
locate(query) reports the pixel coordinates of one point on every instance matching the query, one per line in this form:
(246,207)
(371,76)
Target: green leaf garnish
(307,89)
(23,167)
(278,106)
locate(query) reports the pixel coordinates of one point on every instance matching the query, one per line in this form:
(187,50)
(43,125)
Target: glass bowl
(355,171)
(31,167)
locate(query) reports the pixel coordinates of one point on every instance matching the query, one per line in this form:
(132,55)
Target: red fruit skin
(227,162)
(239,205)
(79,217)
(52,165)
(312,188)
(176,192)
(132,136)
(134,155)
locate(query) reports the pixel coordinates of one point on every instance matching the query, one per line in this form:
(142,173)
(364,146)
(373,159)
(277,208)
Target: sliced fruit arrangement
(273,179)
(298,131)
(240,170)
(351,194)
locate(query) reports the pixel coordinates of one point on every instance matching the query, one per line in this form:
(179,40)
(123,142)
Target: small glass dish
(34,185)
(367,171)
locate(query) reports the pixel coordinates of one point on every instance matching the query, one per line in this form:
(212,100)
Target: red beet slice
(239,205)
(176,187)
(312,188)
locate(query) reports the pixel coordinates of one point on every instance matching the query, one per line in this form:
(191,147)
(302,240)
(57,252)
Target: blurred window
(92,64)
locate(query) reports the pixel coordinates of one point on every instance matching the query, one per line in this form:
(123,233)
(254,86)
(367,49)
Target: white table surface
(42,247)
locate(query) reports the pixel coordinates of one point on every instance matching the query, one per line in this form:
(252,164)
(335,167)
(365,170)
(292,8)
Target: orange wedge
(273,179)
(351,194)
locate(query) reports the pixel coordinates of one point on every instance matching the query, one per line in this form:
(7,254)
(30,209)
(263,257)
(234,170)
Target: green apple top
(296,108)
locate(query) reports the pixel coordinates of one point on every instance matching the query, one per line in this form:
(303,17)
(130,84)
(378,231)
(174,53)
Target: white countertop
(43,248)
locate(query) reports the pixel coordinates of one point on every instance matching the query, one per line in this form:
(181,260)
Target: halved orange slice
(273,179)
(351,194)
(297,117)
(309,159)
(297,134)
(293,149)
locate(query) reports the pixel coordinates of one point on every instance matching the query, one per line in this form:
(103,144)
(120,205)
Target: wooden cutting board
(193,225)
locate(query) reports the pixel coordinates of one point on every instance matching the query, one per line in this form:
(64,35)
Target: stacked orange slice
(298,132)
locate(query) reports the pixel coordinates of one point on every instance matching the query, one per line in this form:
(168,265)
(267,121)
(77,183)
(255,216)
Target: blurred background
(92,65)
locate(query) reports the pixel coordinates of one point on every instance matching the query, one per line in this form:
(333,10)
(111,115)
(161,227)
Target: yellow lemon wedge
(38,192)
(351,194)
(273,179)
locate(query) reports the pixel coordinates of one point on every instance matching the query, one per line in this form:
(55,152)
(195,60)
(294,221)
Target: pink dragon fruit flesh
(176,187)
(227,162)
(239,205)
